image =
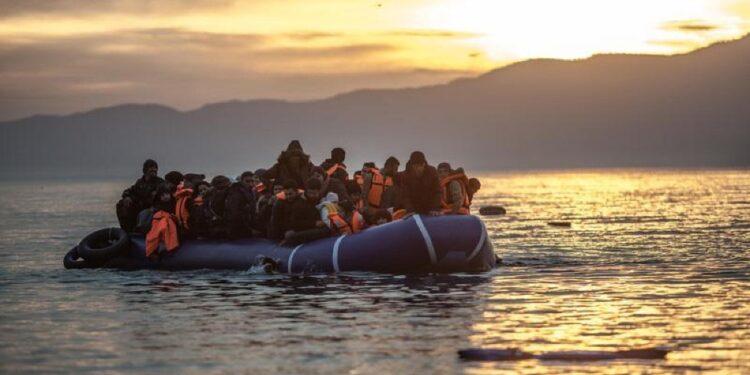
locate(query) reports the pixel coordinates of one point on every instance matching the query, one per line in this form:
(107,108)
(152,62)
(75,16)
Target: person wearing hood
(173,180)
(138,197)
(420,186)
(240,208)
(334,166)
(292,164)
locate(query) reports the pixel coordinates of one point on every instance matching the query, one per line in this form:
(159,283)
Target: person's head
(203,187)
(474,186)
(380,217)
(278,187)
(258,176)
(220,183)
(354,191)
(391,165)
(191,180)
(366,167)
(417,163)
(173,178)
(246,179)
(294,154)
(444,169)
(313,189)
(338,155)
(290,189)
(150,168)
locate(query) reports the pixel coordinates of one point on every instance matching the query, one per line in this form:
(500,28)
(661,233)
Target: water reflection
(653,258)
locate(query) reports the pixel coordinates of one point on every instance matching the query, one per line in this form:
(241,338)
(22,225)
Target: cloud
(691,26)
(20,8)
(186,69)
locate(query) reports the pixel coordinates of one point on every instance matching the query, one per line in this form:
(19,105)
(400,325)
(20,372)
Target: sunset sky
(60,56)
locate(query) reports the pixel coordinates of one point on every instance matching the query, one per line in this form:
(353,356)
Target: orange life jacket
(339,225)
(358,222)
(182,214)
(377,187)
(445,198)
(330,171)
(163,229)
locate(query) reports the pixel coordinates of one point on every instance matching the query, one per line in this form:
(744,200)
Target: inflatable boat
(418,244)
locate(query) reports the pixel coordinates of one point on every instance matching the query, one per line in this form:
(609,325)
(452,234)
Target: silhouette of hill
(606,111)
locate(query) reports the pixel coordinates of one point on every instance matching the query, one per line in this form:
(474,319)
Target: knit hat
(332,197)
(148,164)
(392,161)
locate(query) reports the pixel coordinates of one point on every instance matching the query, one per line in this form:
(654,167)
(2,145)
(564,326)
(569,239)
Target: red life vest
(163,229)
(377,187)
(182,214)
(339,225)
(445,198)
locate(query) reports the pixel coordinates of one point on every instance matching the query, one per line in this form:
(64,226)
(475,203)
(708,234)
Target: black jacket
(297,215)
(240,211)
(142,192)
(282,171)
(420,194)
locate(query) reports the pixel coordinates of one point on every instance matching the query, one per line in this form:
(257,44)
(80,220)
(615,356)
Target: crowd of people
(294,201)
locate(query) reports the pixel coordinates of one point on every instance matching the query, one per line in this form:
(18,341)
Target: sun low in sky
(60,56)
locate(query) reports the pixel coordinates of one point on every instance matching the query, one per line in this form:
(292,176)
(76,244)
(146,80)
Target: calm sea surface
(653,258)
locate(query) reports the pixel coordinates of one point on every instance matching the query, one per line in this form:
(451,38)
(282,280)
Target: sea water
(653,258)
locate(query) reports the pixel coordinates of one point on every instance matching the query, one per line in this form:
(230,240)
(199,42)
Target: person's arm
(324,216)
(456,196)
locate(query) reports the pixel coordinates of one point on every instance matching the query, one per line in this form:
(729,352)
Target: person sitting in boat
(335,183)
(292,164)
(355,196)
(138,197)
(295,218)
(379,217)
(240,208)
(336,163)
(474,186)
(454,187)
(420,186)
(264,208)
(162,234)
(379,188)
(210,217)
(339,220)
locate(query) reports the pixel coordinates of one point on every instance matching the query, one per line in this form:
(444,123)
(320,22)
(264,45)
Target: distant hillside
(606,111)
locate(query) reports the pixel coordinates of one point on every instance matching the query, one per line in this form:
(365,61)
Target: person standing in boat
(240,206)
(420,186)
(292,164)
(379,188)
(138,197)
(336,163)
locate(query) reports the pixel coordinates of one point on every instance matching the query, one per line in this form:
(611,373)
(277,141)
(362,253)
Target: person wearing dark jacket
(210,217)
(420,186)
(296,219)
(139,196)
(240,208)
(334,166)
(292,164)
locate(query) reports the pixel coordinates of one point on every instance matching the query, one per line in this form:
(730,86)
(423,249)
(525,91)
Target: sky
(63,56)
